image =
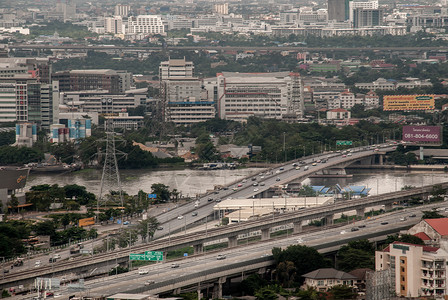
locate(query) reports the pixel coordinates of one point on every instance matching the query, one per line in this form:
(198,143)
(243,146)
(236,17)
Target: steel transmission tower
(110,179)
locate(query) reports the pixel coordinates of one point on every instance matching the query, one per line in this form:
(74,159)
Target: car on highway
(126,223)
(343,232)
(244,181)
(344,155)
(354,229)
(255,189)
(298,168)
(294,164)
(262,183)
(278,179)
(255,184)
(306,168)
(239,185)
(277,172)
(349,154)
(149,282)
(299,241)
(412,216)
(384,223)
(221,256)
(174,265)
(52,260)
(314,164)
(143,271)
(210,199)
(57,256)
(403,219)
(218,200)
(281,168)
(194,214)
(180,217)
(160,228)
(37,263)
(362,226)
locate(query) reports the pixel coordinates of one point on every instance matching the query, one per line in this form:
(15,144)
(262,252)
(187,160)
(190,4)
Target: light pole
(284,144)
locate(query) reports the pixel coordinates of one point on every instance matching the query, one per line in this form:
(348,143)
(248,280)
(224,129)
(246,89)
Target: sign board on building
(347,143)
(148,255)
(423,134)
(86,222)
(152,196)
(408,102)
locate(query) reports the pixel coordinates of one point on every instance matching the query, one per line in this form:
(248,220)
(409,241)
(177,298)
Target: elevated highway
(200,272)
(230,232)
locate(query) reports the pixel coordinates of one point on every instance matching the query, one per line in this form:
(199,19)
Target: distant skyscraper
(338,10)
(122,10)
(222,9)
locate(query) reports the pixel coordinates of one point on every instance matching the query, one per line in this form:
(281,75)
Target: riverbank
(438,168)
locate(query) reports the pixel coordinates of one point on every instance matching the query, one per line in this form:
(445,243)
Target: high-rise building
(275,95)
(222,9)
(185,99)
(150,24)
(114,25)
(122,10)
(364,4)
(367,17)
(82,80)
(175,69)
(337,10)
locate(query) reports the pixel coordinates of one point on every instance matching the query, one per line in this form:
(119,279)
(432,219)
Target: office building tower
(122,10)
(114,25)
(367,17)
(338,10)
(149,24)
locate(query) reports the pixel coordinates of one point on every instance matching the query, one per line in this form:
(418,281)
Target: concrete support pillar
(198,249)
(329,220)
(265,234)
(381,159)
(176,291)
(217,288)
(297,226)
(233,242)
(388,206)
(360,212)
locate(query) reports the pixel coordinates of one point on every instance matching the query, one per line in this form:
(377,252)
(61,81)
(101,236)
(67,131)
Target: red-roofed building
(435,229)
(423,236)
(416,270)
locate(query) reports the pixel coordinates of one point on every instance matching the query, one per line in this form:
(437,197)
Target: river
(192,182)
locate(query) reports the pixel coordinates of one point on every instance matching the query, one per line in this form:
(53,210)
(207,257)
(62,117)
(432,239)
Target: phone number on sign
(421,136)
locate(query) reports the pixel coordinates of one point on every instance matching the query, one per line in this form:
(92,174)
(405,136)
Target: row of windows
(249,110)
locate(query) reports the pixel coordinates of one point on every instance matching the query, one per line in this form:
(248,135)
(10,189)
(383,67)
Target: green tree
(405,238)
(341,292)
(356,254)
(432,214)
(304,259)
(162,192)
(146,228)
(252,283)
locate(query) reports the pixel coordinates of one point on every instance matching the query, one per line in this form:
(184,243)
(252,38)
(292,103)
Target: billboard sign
(408,102)
(422,134)
(152,196)
(86,222)
(149,256)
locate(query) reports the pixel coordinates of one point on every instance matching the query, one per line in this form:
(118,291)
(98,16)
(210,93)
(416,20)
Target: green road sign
(137,257)
(347,143)
(154,255)
(149,255)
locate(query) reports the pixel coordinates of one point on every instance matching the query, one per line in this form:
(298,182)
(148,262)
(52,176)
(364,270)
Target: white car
(299,241)
(143,271)
(255,189)
(343,232)
(57,256)
(37,263)
(180,217)
(149,282)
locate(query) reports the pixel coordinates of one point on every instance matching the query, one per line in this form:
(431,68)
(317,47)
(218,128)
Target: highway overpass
(230,232)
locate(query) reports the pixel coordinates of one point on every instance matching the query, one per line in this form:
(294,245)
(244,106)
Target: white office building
(147,24)
(122,10)
(267,95)
(114,25)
